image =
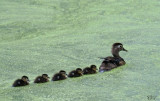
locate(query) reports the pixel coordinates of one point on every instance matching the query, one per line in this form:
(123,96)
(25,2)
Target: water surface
(45,36)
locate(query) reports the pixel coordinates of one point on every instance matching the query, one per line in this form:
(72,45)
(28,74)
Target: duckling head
(25,78)
(93,67)
(63,72)
(79,70)
(116,48)
(45,76)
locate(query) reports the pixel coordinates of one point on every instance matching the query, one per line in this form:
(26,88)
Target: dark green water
(45,36)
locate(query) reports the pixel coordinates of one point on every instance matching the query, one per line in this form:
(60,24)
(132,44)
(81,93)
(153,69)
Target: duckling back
(86,70)
(90,70)
(74,74)
(19,82)
(40,79)
(59,76)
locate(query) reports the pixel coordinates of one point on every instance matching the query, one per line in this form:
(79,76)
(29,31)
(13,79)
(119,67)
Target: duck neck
(115,53)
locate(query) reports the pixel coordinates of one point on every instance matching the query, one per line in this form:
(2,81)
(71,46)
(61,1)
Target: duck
(60,76)
(41,79)
(90,70)
(114,61)
(21,82)
(76,73)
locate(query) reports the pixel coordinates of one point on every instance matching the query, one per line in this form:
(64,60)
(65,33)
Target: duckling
(60,76)
(76,73)
(90,70)
(86,70)
(42,79)
(21,82)
(115,61)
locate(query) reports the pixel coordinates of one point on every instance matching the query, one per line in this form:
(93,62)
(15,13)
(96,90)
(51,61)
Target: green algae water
(45,36)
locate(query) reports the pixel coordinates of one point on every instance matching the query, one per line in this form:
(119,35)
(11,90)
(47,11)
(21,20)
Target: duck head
(45,76)
(25,78)
(116,48)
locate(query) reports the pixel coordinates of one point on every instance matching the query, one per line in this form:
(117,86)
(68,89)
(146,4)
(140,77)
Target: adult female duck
(115,61)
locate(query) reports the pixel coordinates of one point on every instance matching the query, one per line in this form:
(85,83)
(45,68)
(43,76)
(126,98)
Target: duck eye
(120,46)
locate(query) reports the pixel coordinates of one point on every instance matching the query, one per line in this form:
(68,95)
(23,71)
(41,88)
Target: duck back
(111,63)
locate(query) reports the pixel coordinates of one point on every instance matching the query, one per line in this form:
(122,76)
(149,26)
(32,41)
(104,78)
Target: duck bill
(125,50)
